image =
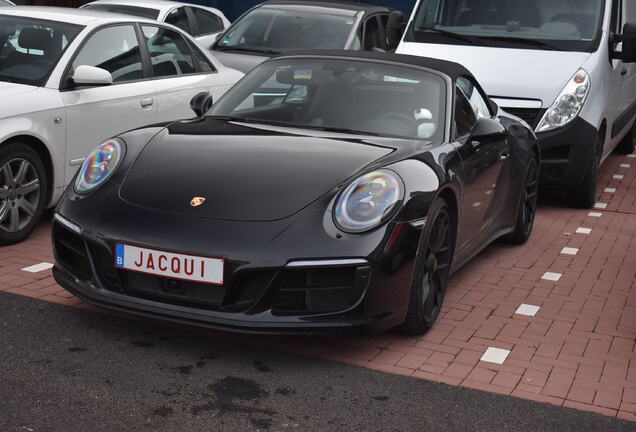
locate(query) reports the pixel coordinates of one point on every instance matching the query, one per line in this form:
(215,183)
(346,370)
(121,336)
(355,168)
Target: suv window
(465,117)
(207,21)
(169,52)
(115,49)
(179,18)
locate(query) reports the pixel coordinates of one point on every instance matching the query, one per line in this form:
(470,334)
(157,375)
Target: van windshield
(564,25)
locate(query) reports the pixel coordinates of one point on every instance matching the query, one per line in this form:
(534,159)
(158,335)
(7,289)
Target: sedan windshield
(346,96)
(30,49)
(568,25)
(275,31)
(142,12)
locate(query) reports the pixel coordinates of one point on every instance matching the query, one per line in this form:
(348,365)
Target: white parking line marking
(618,177)
(595,214)
(495,355)
(569,251)
(38,267)
(600,205)
(583,230)
(527,310)
(554,277)
(625,165)
(633,156)
(609,190)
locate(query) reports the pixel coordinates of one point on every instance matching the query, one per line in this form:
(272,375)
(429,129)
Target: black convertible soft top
(452,69)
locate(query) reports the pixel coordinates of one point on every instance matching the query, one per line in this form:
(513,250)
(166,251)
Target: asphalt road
(65,369)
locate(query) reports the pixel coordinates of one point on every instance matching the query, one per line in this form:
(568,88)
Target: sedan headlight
(99,166)
(569,103)
(368,201)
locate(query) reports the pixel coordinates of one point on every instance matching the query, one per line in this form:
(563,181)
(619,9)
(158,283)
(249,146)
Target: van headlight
(368,201)
(569,103)
(99,165)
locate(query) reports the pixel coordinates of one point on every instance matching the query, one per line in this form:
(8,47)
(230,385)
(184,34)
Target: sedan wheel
(22,197)
(432,269)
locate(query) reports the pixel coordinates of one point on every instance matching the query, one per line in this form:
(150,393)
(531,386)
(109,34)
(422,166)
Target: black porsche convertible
(325,192)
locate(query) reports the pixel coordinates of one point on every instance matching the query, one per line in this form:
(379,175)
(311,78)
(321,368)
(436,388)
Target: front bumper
(565,154)
(297,297)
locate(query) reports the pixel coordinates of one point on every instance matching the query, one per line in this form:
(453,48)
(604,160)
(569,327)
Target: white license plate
(171,265)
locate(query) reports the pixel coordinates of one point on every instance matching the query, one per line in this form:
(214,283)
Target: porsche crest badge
(197,201)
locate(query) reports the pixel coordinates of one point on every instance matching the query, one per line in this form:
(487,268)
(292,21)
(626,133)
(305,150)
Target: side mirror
(201,103)
(395,29)
(91,76)
(629,43)
(485,130)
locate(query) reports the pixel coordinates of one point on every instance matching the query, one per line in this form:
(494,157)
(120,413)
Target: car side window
(170,54)
(115,49)
(479,104)
(207,22)
(372,34)
(179,18)
(465,117)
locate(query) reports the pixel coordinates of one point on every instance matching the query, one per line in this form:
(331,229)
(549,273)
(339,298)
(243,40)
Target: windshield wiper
(451,34)
(245,49)
(521,40)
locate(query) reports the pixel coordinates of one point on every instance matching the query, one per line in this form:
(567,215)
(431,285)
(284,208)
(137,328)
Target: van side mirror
(395,29)
(629,43)
(91,76)
(201,103)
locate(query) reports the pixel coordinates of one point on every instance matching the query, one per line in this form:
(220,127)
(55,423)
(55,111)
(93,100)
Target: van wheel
(628,145)
(584,196)
(431,271)
(23,186)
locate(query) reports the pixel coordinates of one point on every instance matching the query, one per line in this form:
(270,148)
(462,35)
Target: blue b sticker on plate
(120,255)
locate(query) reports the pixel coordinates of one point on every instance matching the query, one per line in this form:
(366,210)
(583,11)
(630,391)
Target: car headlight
(569,103)
(99,165)
(368,201)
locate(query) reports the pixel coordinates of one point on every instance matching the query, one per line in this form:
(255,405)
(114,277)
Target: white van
(567,67)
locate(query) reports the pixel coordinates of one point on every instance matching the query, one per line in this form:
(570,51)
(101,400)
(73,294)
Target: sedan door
(94,114)
(181,71)
(485,189)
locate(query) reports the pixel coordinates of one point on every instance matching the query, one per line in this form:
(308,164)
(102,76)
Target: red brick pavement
(578,351)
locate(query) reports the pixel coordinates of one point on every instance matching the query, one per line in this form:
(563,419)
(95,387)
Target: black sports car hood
(244,172)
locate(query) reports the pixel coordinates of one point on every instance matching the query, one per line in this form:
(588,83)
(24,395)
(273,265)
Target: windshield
(567,25)
(340,95)
(275,31)
(126,10)
(5,3)
(30,48)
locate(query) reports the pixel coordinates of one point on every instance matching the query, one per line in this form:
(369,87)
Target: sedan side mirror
(91,76)
(395,29)
(628,38)
(485,130)
(201,103)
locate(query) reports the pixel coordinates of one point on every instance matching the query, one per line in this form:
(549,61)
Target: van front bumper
(565,154)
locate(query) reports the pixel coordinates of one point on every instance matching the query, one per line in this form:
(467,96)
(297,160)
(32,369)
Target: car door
(94,114)
(484,188)
(206,27)
(180,71)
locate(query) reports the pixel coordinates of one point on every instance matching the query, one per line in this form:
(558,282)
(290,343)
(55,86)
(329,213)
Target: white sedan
(69,79)
(204,23)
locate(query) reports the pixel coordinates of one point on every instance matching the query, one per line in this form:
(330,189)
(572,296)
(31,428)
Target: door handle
(504,156)
(145,103)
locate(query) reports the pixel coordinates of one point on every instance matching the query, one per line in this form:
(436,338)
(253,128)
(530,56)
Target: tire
(527,205)
(23,192)
(584,196)
(431,270)
(628,145)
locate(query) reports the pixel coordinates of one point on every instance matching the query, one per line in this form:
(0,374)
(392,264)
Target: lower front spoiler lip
(155,310)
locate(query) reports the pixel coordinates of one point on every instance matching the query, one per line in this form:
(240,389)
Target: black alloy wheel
(432,269)
(527,205)
(22,192)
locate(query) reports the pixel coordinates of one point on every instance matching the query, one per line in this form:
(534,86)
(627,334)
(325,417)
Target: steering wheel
(407,121)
